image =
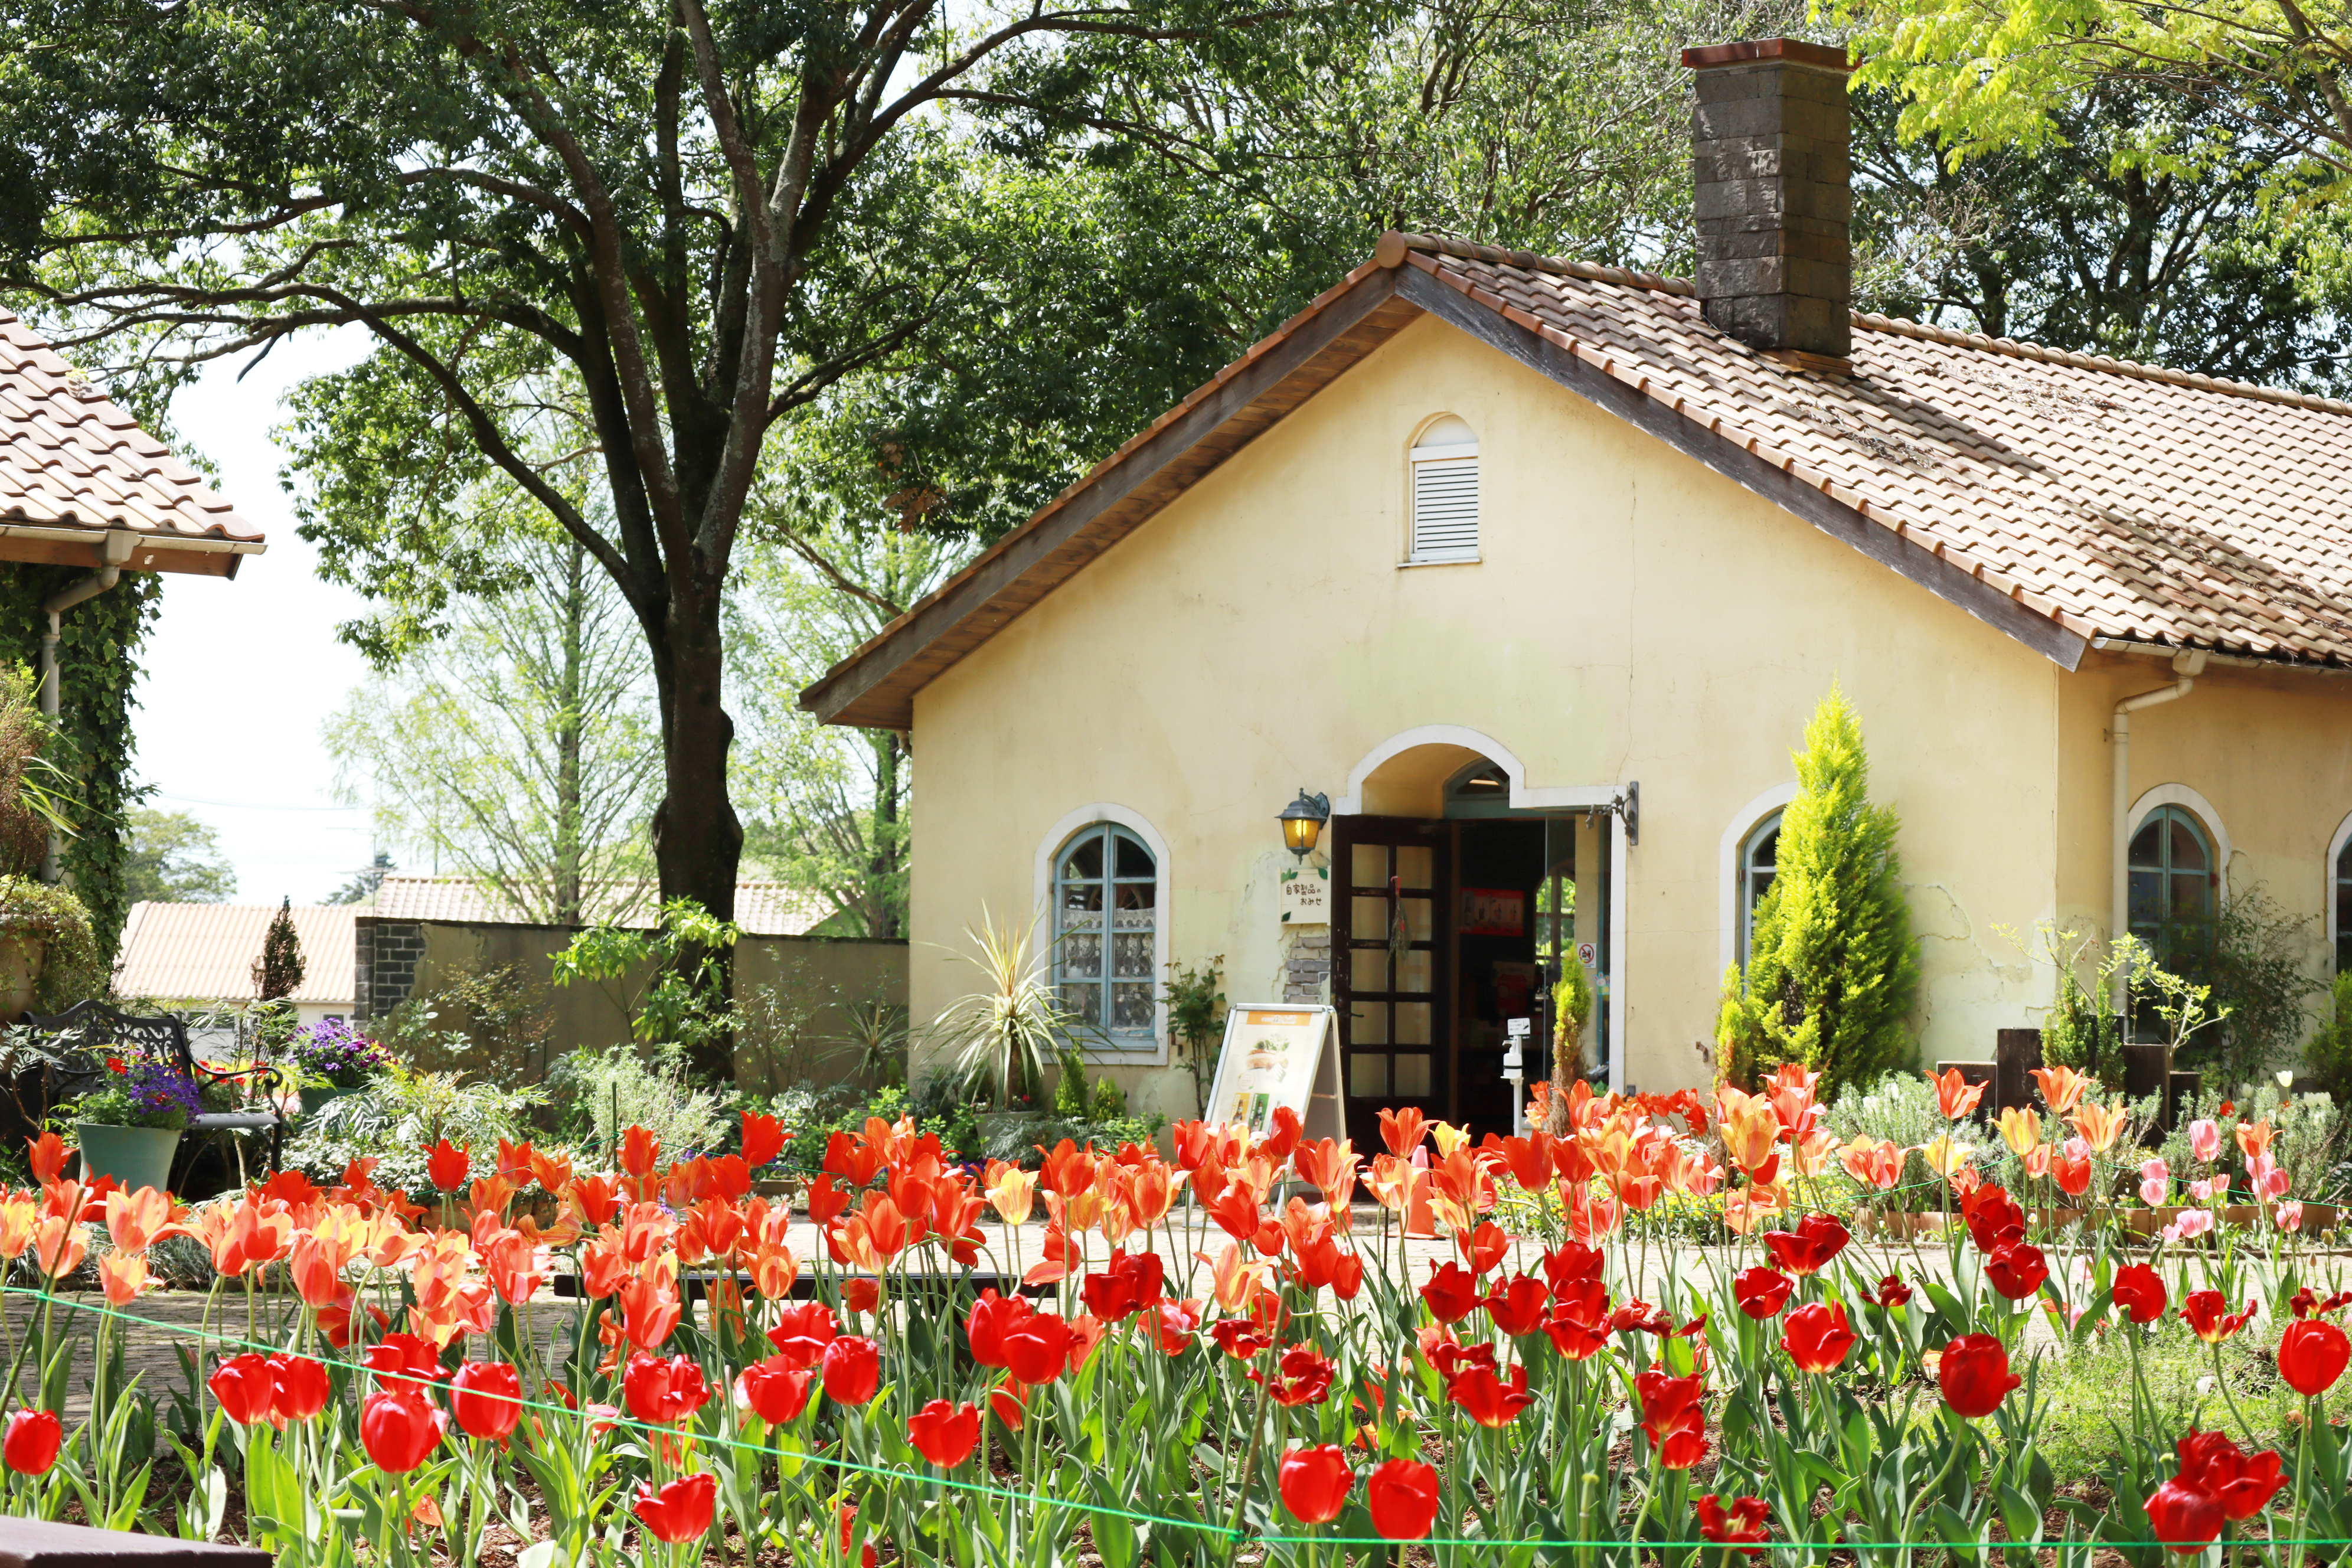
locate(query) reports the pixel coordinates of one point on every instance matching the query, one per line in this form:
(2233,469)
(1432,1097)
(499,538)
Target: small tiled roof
(762,908)
(2062,496)
(204,952)
(73,463)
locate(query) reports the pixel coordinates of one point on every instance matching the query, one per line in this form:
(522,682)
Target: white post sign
(1306,896)
(1275,1056)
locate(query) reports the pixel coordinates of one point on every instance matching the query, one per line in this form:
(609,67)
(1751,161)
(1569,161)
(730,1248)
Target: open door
(1389,970)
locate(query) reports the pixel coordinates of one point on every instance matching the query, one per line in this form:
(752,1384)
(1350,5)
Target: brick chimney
(1772,172)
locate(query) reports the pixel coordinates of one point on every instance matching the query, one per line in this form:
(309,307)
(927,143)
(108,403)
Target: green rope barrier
(623,1420)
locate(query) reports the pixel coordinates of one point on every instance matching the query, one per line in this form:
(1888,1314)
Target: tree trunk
(698,839)
(888,854)
(569,903)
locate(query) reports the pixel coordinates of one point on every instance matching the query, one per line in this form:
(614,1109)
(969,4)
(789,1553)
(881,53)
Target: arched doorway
(1457,896)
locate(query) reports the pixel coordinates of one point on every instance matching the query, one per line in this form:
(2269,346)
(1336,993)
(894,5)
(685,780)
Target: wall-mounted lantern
(1302,822)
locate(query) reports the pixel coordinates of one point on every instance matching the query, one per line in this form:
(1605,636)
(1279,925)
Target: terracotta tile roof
(2062,496)
(204,952)
(72,462)
(2116,499)
(762,908)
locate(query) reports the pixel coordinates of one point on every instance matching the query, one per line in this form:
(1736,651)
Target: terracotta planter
(21,955)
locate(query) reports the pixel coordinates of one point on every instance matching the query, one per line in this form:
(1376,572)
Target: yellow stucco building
(1536,571)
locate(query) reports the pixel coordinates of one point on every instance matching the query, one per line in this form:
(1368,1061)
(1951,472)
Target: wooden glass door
(1389,967)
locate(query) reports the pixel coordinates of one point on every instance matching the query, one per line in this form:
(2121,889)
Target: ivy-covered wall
(98,657)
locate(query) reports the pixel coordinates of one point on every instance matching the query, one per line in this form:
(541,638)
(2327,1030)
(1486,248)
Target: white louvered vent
(1445,503)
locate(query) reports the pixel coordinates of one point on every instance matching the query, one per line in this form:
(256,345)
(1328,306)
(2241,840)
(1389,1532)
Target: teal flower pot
(316,1099)
(135,1156)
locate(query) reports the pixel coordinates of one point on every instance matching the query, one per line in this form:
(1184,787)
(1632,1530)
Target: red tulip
(861,1295)
(245,1388)
(2016,1271)
(1892,1292)
(1674,1417)
(1743,1522)
(853,1369)
(1993,1218)
(446,1165)
(303,1387)
(2185,1518)
(1314,1482)
(1517,1307)
(1761,1292)
(1403,1498)
(1451,1292)
(660,1391)
(1487,1399)
(985,1324)
(1808,1249)
(2311,1355)
(2139,1292)
(945,1434)
(1974,1376)
(1301,1376)
(1037,1348)
(1818,1337)
(2241,1483)
(680,1511)
(776,1390)
(31,1444)
(2208,1313)
(486,1398)
(763,1139)
(400,1428)
(2072,1173)
(802,1331)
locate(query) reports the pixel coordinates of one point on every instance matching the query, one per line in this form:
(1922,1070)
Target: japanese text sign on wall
(1307,897)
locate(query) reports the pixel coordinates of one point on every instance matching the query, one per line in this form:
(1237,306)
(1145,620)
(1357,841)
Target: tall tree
(827,807)
(2143,229)
(705,216)
(174,857)
(522,748)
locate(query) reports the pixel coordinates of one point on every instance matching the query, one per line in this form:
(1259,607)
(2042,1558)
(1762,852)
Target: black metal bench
(93,1027)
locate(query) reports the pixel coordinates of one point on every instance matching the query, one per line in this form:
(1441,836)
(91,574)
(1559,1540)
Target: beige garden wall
(1634,617)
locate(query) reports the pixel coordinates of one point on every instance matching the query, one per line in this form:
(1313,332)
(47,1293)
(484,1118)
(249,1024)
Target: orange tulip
(1955,1096)
(2254,1139)
(2062,1087)
(47,1154)
(58,1245)
(124,1275)
(1750,1127)
(1874,1163)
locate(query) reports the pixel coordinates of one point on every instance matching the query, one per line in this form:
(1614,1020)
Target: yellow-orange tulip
(1945,1155)
(2062,1087)
(2254,1139)
(2021,1130)
(2099,1126)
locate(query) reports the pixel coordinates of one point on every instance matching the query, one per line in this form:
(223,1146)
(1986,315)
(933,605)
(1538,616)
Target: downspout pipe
(2187,664)
(117,550)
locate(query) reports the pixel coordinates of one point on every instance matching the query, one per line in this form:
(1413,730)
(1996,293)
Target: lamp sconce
(1302,823)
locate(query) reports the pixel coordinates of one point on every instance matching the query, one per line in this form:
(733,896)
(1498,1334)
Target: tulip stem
(2227,1398)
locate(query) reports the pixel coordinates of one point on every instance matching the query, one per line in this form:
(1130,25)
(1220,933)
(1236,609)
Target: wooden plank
(1840,522)
(41,1543)
(876,688)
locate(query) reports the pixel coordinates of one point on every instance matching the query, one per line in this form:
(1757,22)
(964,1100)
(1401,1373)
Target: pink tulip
(2201,1191)
(2194,1223)
(2290,1216)
(2264,1175)
(2152,1191)
(2204,1142)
